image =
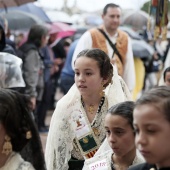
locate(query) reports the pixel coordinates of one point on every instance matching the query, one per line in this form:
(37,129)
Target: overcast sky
(92,5)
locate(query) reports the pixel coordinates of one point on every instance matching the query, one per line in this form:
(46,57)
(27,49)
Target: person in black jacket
(4,47)
(33,66)
(152,127)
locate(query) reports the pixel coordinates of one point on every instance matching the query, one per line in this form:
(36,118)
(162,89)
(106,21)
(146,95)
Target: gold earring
(102,93)
(7,147)
(28,135)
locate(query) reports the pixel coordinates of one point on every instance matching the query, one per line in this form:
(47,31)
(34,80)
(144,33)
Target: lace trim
(100,105)
(108,156)
(137,160)
(98,128)
(16,162)
(61,134)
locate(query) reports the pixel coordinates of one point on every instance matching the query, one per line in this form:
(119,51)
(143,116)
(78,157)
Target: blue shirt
(67,69)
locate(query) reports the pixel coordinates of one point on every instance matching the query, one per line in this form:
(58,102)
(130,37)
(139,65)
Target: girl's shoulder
(25,166)
(16,162)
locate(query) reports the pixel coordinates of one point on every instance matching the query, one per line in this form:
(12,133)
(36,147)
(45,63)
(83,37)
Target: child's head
(93,68)
(152,126)
(17,125)
(119,128)
(167,76)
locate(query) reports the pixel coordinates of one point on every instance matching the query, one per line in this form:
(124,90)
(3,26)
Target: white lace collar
(14,161)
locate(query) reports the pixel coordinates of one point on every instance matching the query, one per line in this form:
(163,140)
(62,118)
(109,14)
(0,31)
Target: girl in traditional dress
(121,138)
(77,125)
(152,126)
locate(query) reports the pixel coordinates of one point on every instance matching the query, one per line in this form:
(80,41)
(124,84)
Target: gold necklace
(91,109)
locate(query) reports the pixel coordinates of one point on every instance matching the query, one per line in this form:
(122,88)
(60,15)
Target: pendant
(91,109)
(95,130)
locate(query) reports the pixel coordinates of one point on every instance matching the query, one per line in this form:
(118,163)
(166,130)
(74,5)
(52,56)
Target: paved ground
(44,135)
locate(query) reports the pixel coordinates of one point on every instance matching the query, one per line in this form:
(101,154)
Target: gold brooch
(91,109)
(95,130)
(28,135)
(85,140)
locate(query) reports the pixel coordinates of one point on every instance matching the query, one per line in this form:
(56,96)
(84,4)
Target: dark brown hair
(15,116)
(110,5)
(159,97)
(123,109)
(106,68)
(166,70)
(36,33)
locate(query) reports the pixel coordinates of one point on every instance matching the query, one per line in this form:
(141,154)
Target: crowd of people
(96,125)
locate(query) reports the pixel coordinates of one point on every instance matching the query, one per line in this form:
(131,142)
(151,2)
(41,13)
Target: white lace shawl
(107,155)
(61,133)
(15,162)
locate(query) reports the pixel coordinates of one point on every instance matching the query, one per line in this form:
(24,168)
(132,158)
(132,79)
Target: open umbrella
(18,20)
(130,32)
(62,29)
(93,19)
(141,49)
(32,9)
(135,19)
(9,3)
(58,16)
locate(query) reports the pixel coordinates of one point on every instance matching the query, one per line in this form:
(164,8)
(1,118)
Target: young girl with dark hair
(77,126)
(152,125)
(121,138)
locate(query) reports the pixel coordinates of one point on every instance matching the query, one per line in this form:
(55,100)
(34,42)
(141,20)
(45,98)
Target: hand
(54,69)
(33,102)
(58,61)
